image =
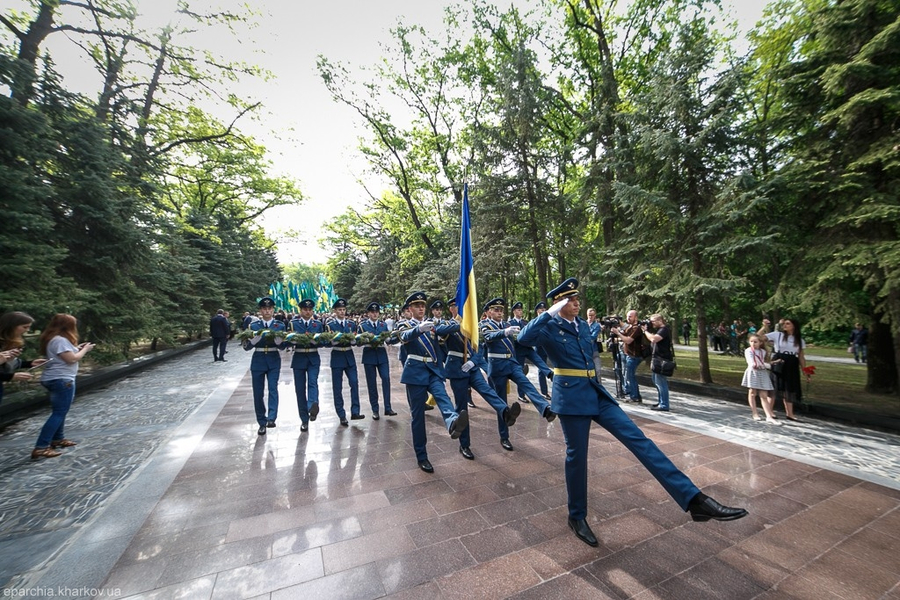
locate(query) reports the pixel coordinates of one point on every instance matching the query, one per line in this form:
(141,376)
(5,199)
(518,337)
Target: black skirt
(788,383)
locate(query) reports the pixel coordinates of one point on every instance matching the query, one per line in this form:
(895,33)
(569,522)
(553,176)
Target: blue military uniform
(460,352)
(375,364)
(305,365)
(343,361)
(503,366)
(529,353)
(423,373)
(579,399)
(265,366)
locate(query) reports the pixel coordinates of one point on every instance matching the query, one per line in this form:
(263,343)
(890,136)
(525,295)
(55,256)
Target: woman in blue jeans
(59,343)
(662,348)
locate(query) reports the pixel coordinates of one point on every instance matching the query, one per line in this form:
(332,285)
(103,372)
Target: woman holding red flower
(788,347)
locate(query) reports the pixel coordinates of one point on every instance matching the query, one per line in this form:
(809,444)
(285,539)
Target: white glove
(255,340)
(467,366)
(554,310)
(279,340)
(426,326)
(511,331)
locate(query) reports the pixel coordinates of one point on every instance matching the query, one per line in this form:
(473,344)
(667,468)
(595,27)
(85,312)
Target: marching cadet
(306,364)
(501,355)
(463,368)
(580,399)
(437,311)
(423,373)
(524,353)
(265,364)
(541,307)
(375,362)
(343,361)
(454,314)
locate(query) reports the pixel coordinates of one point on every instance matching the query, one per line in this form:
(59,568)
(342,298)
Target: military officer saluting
(306,364)
(423,373)
(501,356)
(375,362)
(343,361)
(579,399)
(463,367)
(265,364)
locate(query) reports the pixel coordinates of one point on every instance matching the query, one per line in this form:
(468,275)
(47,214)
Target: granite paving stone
(172,494)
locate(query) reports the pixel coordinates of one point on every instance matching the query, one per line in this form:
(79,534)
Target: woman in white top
(788,346)
(757,380)
(59,343)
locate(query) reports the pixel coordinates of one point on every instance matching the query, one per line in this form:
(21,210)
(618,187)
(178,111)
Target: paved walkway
(171,494)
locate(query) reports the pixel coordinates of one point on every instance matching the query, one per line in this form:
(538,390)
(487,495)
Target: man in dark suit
(423,373)
(579,399)
(219,330)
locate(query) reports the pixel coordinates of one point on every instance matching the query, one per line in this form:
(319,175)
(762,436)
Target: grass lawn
(834,384)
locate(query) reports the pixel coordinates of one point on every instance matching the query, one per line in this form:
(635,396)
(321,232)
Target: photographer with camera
(661,336)
(632,336)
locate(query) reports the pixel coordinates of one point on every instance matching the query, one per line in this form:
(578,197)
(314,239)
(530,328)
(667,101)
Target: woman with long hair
(13,327)
(59,343)
(788,348)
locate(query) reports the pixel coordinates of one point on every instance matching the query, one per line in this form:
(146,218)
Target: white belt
(452,353)
(306,350)
(492,355)
(272,348)
(342,348)
(425,359)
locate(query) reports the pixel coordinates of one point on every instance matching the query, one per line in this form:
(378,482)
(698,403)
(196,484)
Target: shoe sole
(512,413)
(459,425)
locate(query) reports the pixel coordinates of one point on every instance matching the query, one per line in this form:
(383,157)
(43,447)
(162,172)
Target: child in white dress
(757,379)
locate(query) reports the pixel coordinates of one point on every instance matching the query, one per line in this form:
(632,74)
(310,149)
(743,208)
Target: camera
(611,321)
(644,323)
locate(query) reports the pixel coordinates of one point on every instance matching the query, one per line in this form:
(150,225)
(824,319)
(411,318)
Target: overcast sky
(310,138)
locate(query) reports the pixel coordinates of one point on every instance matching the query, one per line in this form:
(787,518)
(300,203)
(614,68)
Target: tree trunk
(29,45)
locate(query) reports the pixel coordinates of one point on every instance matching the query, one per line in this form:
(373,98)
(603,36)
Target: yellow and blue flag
(466,297)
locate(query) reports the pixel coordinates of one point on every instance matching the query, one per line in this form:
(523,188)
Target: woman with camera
(661,338)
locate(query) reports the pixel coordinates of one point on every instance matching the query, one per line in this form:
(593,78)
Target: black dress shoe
(659,408)
(357,417)
(425,465)
(314,412)
(512,413)
(375,417)
(270,423)
(304,427)
(549,415)
(459,425)
(261,430)
(583,532)
(344,422)
(390,413)
(429,407)
(466,452)
(472,404)
(710,509)
(506,445)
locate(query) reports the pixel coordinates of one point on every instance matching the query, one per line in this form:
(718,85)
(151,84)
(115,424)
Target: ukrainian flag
(466,298)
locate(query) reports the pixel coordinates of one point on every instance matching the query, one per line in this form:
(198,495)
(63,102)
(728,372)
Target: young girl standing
(757,379)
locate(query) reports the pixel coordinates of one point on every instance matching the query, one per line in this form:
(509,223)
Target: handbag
(663,367)
(777,365)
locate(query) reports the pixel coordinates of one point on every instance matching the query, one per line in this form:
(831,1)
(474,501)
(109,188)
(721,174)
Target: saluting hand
(558,306)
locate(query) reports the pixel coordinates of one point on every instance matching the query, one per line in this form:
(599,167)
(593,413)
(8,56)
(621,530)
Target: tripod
(612,346)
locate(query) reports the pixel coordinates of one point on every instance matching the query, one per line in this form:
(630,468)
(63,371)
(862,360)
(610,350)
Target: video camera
(611,321)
